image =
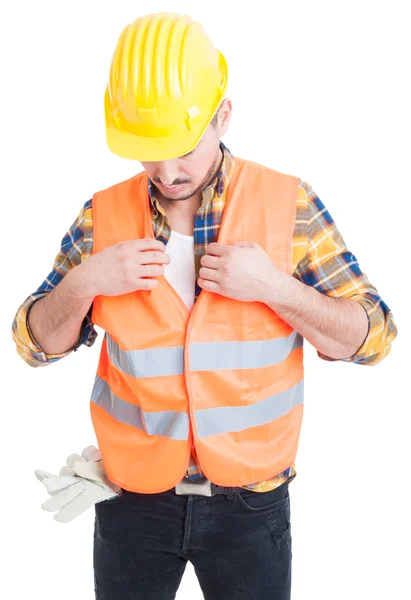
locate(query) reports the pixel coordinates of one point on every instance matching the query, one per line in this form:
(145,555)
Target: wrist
(81,283)
(281,286)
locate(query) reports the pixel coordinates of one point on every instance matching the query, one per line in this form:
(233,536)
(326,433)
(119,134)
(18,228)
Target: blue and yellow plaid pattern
(320,259)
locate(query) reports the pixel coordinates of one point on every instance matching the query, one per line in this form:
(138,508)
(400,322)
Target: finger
(209,286)
(91,453)
(216,249)
(63,497)
(54,484)
(212,262)
(73,458)
(90,496)
(147,284)
(150,271)
(149,244)
(147,258)
(94,471)
(67,471)
(41,475)
(209,274)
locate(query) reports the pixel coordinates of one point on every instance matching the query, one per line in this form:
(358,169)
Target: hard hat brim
(149,149)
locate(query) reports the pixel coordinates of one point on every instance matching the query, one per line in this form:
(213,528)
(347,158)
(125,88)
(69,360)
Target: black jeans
(240,546)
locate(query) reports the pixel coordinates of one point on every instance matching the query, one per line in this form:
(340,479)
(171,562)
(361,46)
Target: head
(196,170)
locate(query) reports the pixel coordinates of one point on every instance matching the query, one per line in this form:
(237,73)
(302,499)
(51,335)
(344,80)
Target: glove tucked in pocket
(81,483)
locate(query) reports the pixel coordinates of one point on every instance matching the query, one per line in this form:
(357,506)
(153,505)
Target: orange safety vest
(227,378)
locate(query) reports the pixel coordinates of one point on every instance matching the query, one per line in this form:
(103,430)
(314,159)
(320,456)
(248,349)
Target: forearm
(55,320)
(337,327)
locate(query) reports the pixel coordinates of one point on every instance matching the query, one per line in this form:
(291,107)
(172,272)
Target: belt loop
(229,492)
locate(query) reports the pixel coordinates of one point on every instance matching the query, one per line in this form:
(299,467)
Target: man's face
(180,178)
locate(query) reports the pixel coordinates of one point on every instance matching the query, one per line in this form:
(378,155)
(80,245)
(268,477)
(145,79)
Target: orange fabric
(139,321)
(267,450)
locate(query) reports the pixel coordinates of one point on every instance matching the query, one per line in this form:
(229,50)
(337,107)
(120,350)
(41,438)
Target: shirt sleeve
(332,269)
(75,247)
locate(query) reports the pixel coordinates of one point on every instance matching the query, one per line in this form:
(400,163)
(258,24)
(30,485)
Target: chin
(182,196)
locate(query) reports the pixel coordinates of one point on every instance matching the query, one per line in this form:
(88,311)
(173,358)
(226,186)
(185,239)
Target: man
(205,271)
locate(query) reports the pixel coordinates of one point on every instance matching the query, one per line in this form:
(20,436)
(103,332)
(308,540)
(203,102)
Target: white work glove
(81,483)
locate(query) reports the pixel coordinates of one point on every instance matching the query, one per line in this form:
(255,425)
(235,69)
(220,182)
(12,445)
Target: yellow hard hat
(166,83)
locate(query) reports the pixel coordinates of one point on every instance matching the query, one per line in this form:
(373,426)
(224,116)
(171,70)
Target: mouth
(172,189)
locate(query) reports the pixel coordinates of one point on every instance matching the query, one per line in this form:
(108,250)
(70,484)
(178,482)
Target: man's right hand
(124,267)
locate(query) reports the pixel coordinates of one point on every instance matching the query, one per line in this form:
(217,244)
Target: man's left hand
(242,271)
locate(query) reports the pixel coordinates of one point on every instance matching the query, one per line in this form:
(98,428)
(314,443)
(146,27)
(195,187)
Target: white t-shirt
(180,272)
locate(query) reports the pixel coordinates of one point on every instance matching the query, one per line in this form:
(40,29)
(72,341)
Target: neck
(185,208)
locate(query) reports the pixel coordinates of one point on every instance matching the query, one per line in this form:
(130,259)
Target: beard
(209,177)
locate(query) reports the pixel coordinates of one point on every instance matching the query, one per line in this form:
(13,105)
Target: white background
(320,90)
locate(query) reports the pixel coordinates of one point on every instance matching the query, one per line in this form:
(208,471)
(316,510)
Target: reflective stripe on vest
(168,423)
(214,356)
(205,356)
(159,362)
(156,362)
(225,419)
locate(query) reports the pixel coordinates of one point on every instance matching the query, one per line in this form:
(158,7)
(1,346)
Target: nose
(167,173)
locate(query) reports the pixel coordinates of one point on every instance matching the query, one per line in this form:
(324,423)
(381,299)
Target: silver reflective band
(169,423)
(204,356)
(211,421)
(214,356)
(156,362)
